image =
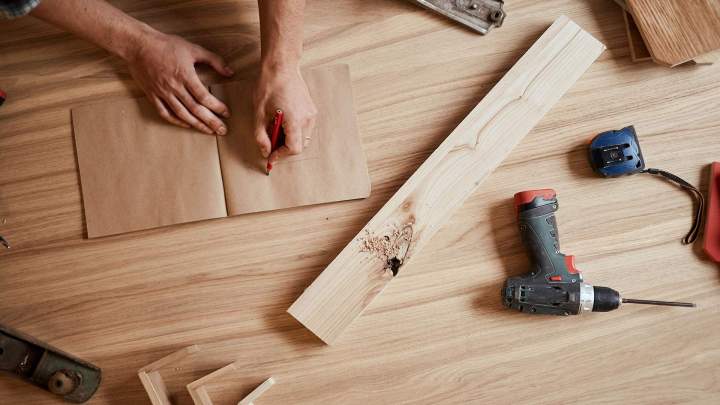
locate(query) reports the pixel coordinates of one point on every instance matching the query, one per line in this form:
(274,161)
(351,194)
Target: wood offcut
(677,31)
(447,178)
(199,393)
(153,382)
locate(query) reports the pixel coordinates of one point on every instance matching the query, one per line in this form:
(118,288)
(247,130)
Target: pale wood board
(439,333)
(676,31)
(446,179)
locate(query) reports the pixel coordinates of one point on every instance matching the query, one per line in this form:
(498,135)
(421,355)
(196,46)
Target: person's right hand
(164,66)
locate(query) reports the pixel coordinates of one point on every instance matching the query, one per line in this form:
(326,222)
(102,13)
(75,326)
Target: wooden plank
(455,170)
(257,392)
(676,31)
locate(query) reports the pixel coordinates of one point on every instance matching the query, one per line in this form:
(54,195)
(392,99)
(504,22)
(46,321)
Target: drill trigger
(570,263)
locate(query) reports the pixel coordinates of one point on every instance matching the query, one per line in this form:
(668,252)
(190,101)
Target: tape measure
(617,153)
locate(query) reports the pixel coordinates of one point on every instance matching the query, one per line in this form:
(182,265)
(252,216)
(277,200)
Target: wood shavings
(390,248)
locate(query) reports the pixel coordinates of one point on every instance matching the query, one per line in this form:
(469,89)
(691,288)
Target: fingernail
(229,71)
(226,114)
(222,131)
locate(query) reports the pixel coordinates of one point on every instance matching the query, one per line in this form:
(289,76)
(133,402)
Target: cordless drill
(554,285)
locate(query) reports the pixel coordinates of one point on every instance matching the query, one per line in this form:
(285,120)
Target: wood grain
(676,31)
(409,220)
(438,334)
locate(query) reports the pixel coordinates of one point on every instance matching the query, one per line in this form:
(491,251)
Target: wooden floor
(438,334)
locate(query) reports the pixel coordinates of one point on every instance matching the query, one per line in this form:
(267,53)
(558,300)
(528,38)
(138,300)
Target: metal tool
(42,365)
(480,15)
(554,285)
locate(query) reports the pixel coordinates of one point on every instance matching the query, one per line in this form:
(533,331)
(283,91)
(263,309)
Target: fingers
(214,60)
(200,112)
(293,144)
(204,97)
(165,113)
(181,112)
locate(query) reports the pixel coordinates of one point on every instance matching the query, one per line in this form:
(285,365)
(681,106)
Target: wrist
(134,40)
(278,64)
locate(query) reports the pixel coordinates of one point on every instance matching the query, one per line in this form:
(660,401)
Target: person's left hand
(284,89)
(164,66)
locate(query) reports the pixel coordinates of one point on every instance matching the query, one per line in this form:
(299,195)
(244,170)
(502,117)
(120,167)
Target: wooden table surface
(439,333)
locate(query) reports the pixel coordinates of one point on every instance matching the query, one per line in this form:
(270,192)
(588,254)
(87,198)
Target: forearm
(96,21)
(281,31)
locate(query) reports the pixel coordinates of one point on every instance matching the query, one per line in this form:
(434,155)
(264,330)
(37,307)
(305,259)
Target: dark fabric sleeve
(16,8)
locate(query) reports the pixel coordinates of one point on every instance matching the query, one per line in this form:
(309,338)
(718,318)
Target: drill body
(553,285)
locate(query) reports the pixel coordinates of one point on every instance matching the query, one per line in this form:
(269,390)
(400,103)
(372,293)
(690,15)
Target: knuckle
(196,110)
(207,100)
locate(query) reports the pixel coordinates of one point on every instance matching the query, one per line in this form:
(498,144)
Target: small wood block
(257,392)
(446,179)
(197,388)
(711,243)
(707,58)
(677,31)
(152,380)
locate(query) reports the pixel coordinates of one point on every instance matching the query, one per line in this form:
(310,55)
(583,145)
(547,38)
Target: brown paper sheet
(138,172)
(332,168)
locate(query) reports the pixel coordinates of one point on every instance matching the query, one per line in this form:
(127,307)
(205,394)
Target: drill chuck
(605,299)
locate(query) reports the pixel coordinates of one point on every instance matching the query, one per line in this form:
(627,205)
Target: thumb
(214,60)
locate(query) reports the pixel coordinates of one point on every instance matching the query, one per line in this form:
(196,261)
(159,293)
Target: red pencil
(276,128)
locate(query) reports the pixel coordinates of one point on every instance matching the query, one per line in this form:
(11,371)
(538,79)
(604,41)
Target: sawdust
(391,248)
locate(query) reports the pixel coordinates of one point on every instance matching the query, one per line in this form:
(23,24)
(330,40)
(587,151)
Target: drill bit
(652,302)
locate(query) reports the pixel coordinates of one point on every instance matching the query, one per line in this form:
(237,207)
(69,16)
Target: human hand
(283,88)
(164,66)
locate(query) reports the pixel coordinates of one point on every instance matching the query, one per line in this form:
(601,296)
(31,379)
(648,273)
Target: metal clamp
(479,15)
